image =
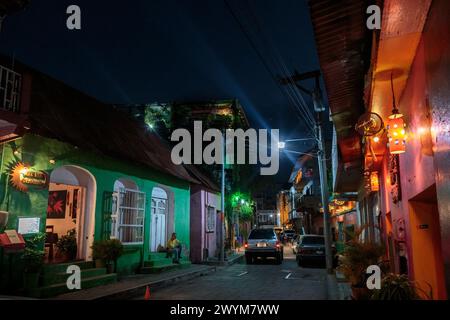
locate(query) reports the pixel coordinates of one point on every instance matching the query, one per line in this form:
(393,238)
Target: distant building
(267,218)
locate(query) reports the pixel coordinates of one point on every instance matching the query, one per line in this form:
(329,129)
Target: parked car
(263,243)
(288,235)
(310,249)
(296,242)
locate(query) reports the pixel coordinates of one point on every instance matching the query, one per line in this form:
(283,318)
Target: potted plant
(67,246)
(397,287)
(353,264)
(33,259)
(99,253)
(113,250)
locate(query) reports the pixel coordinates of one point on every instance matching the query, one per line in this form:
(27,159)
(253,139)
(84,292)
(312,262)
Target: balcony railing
(10,85)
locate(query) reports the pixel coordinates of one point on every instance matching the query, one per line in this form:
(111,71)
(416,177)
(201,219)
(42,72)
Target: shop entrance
(71,208)
(426,243)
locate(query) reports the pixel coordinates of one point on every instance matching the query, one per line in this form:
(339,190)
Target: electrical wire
(277,59)
(302,115)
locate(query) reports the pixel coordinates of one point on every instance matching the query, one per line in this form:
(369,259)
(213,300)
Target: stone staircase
(54,277)
(157,263)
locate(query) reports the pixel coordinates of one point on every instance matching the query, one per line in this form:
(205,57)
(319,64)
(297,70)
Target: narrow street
(183,150)
(263,280)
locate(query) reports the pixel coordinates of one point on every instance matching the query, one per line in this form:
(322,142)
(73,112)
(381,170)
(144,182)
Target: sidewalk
(229,260)
(337,288)
(132,286)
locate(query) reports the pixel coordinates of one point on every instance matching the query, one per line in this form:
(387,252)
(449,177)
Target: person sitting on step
(174,248)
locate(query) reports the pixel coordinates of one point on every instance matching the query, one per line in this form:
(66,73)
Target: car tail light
(246,245)
(278,244)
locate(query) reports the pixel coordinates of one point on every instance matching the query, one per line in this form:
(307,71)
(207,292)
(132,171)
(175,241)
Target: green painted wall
(37,151)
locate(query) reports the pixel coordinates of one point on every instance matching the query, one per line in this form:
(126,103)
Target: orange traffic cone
(147,294)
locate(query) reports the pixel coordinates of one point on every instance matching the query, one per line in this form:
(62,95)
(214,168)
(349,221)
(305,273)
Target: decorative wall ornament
(56,208)
(400,230)
(394,178)
(369,124)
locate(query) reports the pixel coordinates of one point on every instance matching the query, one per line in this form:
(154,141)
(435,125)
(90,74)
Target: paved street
(263,280)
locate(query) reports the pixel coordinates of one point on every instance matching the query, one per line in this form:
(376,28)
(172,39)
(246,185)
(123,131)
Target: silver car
(263,243)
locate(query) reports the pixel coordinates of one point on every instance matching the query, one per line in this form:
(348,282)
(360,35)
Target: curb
(332,288)
(337,288)
(229,262)
(138,290)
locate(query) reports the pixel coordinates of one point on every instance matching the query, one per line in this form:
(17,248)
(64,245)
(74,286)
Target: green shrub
(67,244)
(33,256)
(396,287)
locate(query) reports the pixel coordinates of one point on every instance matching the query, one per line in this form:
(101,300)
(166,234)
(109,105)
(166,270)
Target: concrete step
(60,288)
(134,286)
(158,262)
(156,255)
(62,267)
(61,277)
(166,267)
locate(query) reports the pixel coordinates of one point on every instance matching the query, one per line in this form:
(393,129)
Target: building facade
(69,162)
(398,169)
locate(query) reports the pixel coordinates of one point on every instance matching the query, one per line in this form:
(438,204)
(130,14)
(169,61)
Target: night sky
(164,50)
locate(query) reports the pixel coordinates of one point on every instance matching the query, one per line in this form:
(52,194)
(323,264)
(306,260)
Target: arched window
(159,212)
(127,219)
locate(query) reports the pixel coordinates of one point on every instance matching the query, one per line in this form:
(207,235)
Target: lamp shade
(396,134)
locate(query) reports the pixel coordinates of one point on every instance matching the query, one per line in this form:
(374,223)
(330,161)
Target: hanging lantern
(396,128)
(396,134)
(374,181)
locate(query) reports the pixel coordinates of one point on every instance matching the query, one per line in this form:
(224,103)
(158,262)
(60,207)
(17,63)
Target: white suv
(263,243)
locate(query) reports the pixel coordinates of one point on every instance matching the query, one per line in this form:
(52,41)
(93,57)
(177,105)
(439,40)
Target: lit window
(127,220)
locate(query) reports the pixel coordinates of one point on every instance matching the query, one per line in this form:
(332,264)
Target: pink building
(205,217)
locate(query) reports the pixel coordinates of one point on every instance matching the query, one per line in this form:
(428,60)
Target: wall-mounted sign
(22,176)
(29,225)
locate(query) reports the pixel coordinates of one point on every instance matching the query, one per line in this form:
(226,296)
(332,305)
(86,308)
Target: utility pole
(324,187)
(222,190)
(316,95)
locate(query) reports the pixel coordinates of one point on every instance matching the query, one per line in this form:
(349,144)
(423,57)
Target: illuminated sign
(22,177)
(29,225)
(374,181)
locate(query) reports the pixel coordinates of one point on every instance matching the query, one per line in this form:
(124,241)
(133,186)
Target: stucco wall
(436,39)
(200,239)
(425,103)
(416,164)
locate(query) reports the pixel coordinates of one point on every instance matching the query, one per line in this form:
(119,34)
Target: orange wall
(417,169)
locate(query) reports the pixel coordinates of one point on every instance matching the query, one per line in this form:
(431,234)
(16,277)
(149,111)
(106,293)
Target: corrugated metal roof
(342,44)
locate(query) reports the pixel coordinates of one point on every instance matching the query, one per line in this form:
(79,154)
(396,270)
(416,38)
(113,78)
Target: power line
(278,60)
(266,66)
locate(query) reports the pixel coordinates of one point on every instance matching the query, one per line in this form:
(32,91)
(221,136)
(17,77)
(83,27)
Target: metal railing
(10,85)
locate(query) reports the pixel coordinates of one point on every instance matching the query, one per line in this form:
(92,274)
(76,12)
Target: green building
(70,162)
